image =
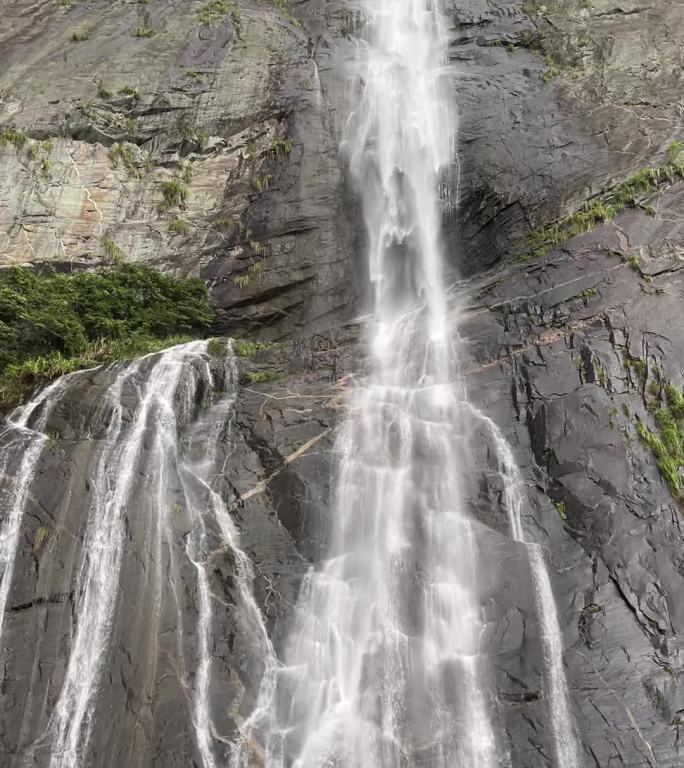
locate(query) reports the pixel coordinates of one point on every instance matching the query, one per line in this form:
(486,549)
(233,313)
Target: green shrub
(244,348)
(178,226)
(55,324)
(667,446)
(174,193)
(260,377)
(280,148)
(217,348)
(284,7)
(143,32)
(214,11)
(79,37)
(130,92)
(122,155)
(562,511)
(112,251)
(261,183)
(16,138)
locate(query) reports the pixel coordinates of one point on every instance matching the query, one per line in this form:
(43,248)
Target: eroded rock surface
(558,103)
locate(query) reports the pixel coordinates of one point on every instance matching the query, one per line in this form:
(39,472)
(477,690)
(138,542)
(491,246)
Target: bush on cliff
(57,323)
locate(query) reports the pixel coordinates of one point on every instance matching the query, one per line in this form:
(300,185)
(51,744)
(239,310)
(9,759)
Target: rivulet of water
(383,665)
(566,744)
(16,477)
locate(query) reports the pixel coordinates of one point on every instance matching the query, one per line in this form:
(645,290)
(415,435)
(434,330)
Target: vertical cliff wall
(205,140)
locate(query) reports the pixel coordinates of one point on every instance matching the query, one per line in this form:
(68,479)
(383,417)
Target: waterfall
(153,475)
(16,479)
(98,578)
(566,745)
(383,666)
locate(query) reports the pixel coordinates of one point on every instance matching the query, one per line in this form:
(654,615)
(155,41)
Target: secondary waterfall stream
(151,476)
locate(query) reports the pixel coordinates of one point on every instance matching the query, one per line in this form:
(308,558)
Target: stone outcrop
(568,354)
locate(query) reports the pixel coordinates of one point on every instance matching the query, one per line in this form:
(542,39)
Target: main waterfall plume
(383,666)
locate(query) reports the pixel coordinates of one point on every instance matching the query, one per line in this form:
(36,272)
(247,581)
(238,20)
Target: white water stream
(566,744)
(139,463)
(383,666)
(15,483)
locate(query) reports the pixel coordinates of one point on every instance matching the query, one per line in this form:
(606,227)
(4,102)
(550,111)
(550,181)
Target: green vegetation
(599,372)
(186,173)
(259,377)
(20,141)
(216,11)
(16,138)
(130,92)
(103,93)
(552,70)
(174,193)
(253,273)
(612,418)
(284,7)
(41,537)
(606,207)
(121,155)
(52,442)
(280,148)
(588,293)
(634,263)
(261,183)
(244,348)
(674,151)
(178,226)
(562,511)
(112,251)
(218,349)
(142,31)
(636,365)
(55,324)
(667,444)
(185,127)
(79,37)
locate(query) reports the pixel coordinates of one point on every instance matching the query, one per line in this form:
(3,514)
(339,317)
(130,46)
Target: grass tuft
(641,184)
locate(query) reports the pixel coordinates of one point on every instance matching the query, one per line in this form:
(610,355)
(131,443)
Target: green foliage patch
(215,11)
(56,324)
(667,444)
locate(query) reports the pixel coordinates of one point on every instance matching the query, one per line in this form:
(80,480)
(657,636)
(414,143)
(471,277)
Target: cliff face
(212,147)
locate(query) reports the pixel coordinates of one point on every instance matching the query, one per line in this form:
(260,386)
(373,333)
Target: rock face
(233,129)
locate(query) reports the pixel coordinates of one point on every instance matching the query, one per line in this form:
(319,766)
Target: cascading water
(16,480)
(98,579)
(383,667)
(162,420)
(566,744)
